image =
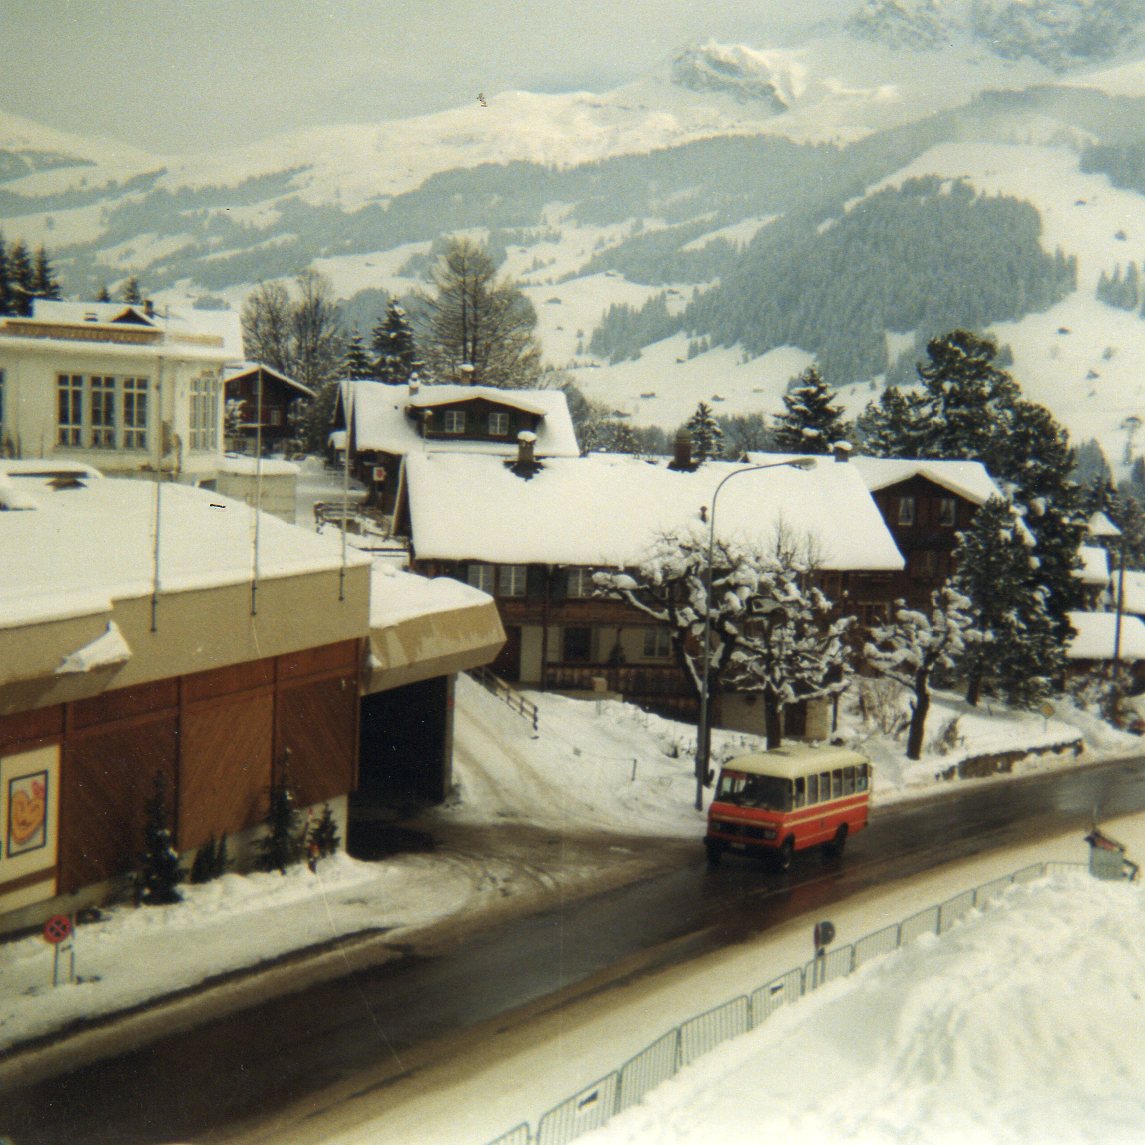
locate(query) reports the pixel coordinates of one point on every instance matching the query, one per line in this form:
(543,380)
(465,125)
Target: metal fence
(592,1106)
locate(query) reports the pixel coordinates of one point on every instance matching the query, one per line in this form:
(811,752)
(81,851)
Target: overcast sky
(178,75)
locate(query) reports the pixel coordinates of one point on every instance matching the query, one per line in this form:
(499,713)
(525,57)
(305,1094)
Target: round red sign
(57,928)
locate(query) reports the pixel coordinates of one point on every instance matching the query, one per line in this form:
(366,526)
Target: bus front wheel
(785,855)
(835,847)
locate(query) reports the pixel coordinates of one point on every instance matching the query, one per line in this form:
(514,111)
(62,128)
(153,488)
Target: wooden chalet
(265,399)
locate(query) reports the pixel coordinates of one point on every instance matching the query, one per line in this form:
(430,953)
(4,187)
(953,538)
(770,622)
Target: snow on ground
(1021,1024)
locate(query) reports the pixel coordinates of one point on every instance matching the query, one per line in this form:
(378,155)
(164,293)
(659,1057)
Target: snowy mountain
(735,207)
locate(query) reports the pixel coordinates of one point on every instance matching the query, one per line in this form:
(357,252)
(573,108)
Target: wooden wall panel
(224,681)
(317,722)
(32,727)
(105,782)
(312,661)
(124,703)
(225,763)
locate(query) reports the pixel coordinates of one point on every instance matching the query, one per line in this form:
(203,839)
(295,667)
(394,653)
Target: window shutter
(535,582)
(560,584)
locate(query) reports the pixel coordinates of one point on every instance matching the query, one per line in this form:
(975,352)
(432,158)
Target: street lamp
(702,746)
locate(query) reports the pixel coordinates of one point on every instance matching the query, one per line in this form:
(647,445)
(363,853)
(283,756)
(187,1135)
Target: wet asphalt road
(207,1083)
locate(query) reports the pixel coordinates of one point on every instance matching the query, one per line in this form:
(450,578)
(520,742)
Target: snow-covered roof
(253,368)
(1094,565)
(214,334)
(82,548)
(606,509)
(967,479)
(396,595)
(1095,636)
(1134,592)
(381,423)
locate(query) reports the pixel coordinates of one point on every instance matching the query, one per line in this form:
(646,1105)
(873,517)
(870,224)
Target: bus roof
(795,760)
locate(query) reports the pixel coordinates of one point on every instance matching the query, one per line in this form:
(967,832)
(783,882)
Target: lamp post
(702,730)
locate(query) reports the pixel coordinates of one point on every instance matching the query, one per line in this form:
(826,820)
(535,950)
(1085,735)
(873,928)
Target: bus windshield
(767,792)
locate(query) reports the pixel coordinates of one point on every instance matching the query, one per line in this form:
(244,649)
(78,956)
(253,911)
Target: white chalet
(125,388)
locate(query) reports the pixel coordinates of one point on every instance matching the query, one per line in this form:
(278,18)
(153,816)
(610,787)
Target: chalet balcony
(658,686)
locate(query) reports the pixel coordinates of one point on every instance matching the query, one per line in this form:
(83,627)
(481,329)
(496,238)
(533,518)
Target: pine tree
(283,842)
(356,362)
(1017,645)
(132,292)
(707,436)
(395,350)
(323,839)
(893,426)
(211,861)
(810,423)
(21,279)
(160,873)
(103,294)
(5,279)
(44,281)
(916,644)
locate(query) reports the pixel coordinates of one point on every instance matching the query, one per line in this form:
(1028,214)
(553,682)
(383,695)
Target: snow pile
(1021,1024)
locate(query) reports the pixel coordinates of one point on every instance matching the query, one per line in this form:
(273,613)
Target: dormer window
(453,421)
(947,512)
(498,424)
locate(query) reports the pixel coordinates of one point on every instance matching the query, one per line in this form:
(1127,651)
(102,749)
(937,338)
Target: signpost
(824,936)
(59,931)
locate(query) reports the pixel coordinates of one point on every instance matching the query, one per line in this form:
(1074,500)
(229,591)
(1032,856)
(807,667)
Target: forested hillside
(925,256)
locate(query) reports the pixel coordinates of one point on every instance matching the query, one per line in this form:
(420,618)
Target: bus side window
(836,783)
(824,786)
(800,792)
(861,784)
(813,789)
(848,781)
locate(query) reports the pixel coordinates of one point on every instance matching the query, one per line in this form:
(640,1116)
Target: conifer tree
(893,426)
(5,275)
(810,422)
(21,279)
(44,281)
(103,294)
(356,362)
(707,436)
(159,875)
(1016,645)
(323,839)
(283,842)
(394,347)
(132,291)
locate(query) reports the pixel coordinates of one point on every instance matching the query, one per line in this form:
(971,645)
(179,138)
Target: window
(849,780)
(813,789)
(800,792)
(657,642)
(923,564)
(862,777)
(498,424)
(205,413)
(69,416)
(454,421)
(135,413)
(836,783)
(578,643)
(824,786)
(947,512)
(274,416)
(581,582)
(906,511)
(481,576)
(101,398)
(513,579)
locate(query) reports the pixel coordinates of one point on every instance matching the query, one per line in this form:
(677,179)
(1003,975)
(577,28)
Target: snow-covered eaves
(1096,633)
(382,423)
(606,509)
(115,328)
(1094,569)
(83,548)
(422,628)
(967,479)
(248,369)
(106,651)
(1133,600)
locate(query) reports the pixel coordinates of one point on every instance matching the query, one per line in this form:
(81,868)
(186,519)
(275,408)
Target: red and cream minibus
(774,803)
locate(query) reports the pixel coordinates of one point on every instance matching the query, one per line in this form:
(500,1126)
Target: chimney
(467,373)
(526,465)
(682,451)
(149,308)
(414,384)
(842,451)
